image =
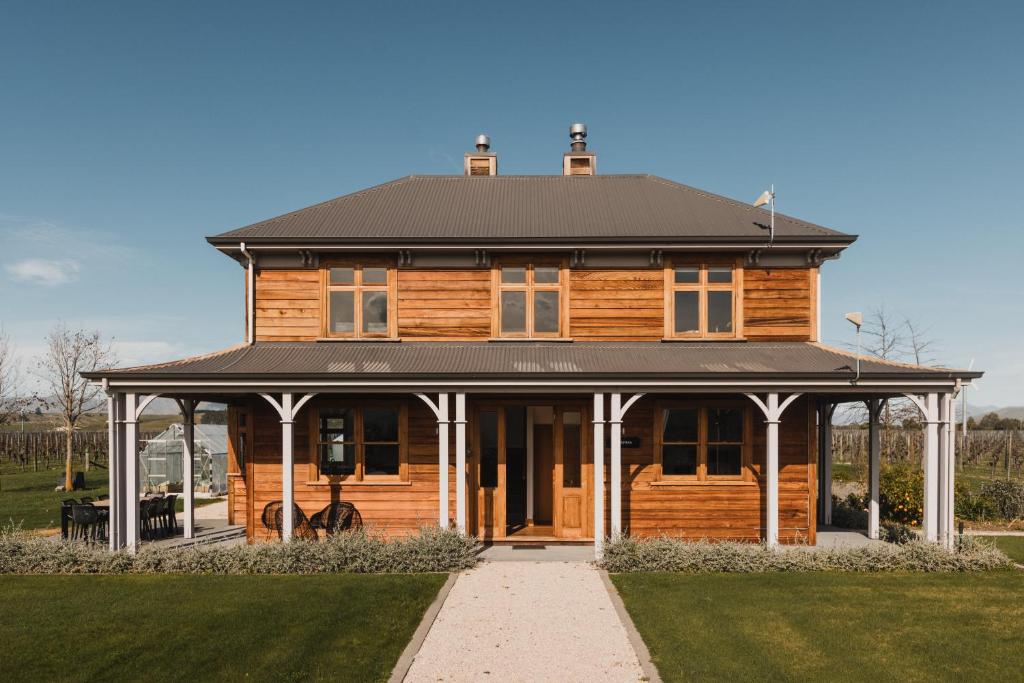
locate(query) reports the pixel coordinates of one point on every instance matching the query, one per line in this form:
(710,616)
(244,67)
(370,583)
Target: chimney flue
(483,161)
(578,133)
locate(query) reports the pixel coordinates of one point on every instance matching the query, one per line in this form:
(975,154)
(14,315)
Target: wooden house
(564,358)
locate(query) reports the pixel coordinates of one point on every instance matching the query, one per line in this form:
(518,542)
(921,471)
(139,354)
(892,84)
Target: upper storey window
(529,300)
(703,300)
(359,301)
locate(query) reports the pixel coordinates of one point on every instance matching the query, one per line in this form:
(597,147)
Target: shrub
(850,512)
(431,550)
(678,555)
(900,534)
(969,505)
(901,494)
(1006,497)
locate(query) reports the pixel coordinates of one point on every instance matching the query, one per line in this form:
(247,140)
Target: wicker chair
(270,517)
(337,517)
(301,528)
(146,518)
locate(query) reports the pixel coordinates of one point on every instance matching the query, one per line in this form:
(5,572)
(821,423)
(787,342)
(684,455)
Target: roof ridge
(881,361)
(735,203)
(183,361)
(326,202)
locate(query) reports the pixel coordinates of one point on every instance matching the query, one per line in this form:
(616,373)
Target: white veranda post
(287,409)
(825,413)
(618,412)
(598,475)
(874,465)
(188,453)
(441,412)
(460,462)
(929,406)
(772,410)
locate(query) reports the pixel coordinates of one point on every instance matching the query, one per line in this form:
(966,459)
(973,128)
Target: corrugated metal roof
(524,360)
(602,208)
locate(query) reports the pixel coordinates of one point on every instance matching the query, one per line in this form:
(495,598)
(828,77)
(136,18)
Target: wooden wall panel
(444,304)
(718,511)
(392,509)
(778,304)
(617,305)
(287,305)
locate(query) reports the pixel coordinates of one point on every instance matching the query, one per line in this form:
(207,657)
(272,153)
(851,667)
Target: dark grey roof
(480,360)
(491,209)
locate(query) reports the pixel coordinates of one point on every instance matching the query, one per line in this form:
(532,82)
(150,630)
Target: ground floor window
(360,442)
(702,442)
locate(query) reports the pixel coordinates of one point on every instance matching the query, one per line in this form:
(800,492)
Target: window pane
(680,425)
(343,312)
(687,275)
(724,460)
(679,459)
(375,276)
(380,424)
(720,274)
(337,458)
(513,312)
(343,276)
(513,276)
(488,449)
(571,450)
(719,311)
(687,311)
(725,424)
(380,459)
(545,275)
(545,312)
(375,312)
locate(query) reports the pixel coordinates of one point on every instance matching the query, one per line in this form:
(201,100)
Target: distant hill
(1014,412)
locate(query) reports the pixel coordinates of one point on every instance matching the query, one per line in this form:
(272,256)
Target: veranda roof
(618,361)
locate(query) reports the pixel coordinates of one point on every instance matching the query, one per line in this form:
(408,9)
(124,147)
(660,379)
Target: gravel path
(527,621)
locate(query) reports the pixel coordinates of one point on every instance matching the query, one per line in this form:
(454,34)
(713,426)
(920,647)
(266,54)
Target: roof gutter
(250,295)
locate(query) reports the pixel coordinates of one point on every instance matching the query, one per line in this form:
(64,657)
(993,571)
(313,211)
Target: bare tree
(920,345)
(68,354)
(10,401)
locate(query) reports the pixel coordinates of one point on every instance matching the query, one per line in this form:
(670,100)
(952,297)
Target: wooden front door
(489,471)
(572,472)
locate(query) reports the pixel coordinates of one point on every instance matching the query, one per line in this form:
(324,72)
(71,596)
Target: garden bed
(431,550)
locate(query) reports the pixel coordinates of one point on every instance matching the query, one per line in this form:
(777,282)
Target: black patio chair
(86,519)
(170,514)
(66,524)
(158,516)
(336,517)
(146,519)
(269,517)
(301,528)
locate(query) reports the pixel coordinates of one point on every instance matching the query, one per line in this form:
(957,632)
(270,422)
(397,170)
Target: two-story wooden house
(562,357)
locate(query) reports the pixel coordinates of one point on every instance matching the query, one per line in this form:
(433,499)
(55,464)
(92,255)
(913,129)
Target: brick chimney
(579,161)
(481,162)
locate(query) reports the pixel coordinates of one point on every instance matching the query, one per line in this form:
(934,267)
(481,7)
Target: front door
(572,473)
(514,441)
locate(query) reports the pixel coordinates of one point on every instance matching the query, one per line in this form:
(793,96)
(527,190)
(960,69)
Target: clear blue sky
(132,130)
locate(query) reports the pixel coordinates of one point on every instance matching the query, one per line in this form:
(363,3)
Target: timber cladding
(725,510)
(779,304)
(602,304)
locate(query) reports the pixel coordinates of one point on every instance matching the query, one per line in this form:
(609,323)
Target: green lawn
(1013,546)
(830,626)
(28,498)
(77,628)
